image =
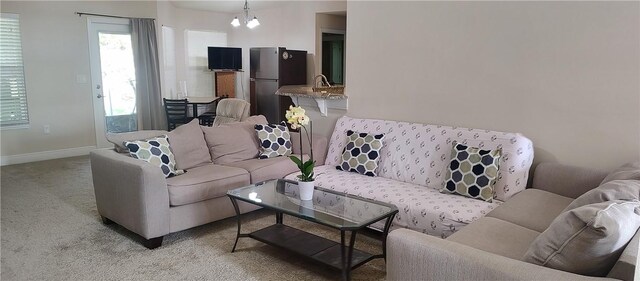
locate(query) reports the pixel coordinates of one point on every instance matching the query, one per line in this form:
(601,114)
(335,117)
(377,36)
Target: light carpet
(51,230)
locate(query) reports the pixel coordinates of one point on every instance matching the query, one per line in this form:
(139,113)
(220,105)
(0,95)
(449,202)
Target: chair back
(231,110)
(176,111)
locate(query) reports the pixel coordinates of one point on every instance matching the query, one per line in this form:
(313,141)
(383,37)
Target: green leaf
(307,164)
(297,161)
(308,168)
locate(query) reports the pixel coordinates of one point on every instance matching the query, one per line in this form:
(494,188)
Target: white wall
(565,74)
(180,20)
(291,25)
(55,50)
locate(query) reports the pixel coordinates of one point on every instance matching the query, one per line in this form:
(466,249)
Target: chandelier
(248,21)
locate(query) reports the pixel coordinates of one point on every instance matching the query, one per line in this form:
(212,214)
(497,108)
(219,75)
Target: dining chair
(176,111)
(206,118)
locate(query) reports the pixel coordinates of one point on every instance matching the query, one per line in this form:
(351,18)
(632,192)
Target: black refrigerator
(270,69)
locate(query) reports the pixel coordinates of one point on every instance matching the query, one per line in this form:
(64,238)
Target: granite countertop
(306,91)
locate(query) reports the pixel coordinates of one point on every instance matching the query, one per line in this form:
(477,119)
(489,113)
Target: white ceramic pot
(306,208)
(306,189)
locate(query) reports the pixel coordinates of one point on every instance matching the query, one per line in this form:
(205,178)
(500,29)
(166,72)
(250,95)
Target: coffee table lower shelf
(309,245)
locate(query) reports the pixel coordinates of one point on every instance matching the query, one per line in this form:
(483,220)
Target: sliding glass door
(113,77)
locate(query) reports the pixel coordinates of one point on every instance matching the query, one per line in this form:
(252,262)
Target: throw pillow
(472,172)
(587,240)
(361,154)
(155,151)
(188,146)
(232,142)
(613,190)
(118,139)
(274,140)
(629,171)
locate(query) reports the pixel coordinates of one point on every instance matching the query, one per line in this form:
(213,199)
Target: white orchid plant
(297,118)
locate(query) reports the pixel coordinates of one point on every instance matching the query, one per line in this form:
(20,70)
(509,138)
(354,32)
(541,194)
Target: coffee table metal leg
(343,257)
(279,216)
(235,206)
(346,254)
(352,243)
(387,225)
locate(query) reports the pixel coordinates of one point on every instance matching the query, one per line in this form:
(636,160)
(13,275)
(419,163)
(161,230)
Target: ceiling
(227,6)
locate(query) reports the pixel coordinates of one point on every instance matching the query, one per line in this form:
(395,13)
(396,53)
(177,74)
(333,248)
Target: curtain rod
(109,16)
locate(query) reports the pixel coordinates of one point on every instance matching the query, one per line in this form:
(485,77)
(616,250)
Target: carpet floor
(51,230)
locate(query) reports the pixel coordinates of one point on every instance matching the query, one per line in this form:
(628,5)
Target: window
(13,93)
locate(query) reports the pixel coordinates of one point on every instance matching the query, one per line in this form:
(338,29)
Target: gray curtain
(145,55)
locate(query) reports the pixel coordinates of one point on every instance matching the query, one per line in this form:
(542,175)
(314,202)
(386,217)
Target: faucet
(322,77)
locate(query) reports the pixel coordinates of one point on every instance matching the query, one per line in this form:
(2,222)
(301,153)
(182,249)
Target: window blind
(13,93)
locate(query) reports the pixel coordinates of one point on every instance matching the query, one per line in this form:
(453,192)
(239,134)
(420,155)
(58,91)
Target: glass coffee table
(346,213)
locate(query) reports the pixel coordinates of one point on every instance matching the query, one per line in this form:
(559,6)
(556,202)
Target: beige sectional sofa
(137,196)
(492,247)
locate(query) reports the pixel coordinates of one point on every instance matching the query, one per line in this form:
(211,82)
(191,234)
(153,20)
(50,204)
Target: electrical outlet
(47,129)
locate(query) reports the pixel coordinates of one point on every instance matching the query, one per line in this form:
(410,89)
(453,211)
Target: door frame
(94,25)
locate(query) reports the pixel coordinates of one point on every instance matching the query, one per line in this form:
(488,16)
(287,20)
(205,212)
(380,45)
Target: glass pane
(118,82)
(339,210)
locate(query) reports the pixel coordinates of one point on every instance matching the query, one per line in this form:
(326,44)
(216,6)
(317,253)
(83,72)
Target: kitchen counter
(306,91)
(323,100)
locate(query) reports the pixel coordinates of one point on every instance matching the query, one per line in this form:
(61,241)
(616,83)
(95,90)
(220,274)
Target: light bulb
(235,22)
(253,23)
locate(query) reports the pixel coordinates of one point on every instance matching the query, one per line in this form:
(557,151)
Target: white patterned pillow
(361,153)
(274,140)
(155,151)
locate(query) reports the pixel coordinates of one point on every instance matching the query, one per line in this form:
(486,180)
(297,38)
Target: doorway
(333,57)
(113,77)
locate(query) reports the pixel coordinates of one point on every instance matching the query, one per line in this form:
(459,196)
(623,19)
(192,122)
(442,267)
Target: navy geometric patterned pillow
(472,172)
(361,153)
(155,151)
(274,140)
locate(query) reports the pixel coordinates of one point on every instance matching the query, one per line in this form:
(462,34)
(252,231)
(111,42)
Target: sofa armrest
(131,192)
(320,144)
(415,256)
(565,180)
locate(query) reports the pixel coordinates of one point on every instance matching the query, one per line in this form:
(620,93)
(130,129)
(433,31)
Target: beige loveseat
(137,196)
(492,247)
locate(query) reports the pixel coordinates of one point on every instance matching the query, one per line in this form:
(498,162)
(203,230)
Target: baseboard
(45,155)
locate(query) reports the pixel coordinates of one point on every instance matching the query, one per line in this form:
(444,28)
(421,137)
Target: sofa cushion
(205,182)
(267,169)
(629,171)
(587,240)
(188,146)
(419,153)
(361,153)
(420,208)
(472,172)
(232,142)
(118,139)
(532,208)
(608,191)
(625,267)
(155,151)
(496,236)
(274,140)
